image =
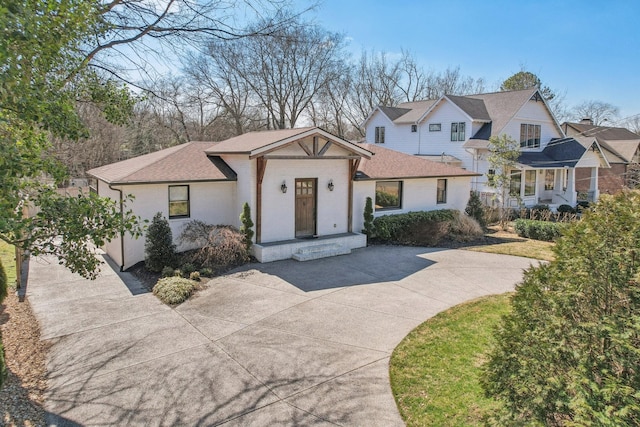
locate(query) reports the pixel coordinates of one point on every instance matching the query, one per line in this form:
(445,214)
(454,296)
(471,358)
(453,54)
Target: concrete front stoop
(324,250)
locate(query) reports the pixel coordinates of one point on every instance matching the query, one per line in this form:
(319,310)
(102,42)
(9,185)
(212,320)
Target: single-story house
(306,189)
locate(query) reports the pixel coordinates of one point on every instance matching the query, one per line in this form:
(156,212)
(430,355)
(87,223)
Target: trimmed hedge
(538,230)
(424,227)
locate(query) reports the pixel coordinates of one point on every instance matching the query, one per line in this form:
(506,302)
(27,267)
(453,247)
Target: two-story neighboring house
(456,130)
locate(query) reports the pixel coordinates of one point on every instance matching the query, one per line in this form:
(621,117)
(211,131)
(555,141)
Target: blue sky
(590,49)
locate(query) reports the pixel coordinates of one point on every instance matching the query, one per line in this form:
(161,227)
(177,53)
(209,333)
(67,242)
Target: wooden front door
(305,207)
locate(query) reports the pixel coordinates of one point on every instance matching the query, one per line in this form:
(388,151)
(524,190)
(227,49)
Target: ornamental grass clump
(174,290)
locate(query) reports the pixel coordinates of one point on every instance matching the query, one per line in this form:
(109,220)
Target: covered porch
(549,176)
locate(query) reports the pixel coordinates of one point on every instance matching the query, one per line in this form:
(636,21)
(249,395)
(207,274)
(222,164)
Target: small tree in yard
(503,155)
(245,219)
(569,353)
(475,209)
(368,217)
(159,248)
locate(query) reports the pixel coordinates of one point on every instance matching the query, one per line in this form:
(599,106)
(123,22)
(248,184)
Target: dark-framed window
(442,191)
(178,201)
(530,182)
(388,195)
(530,135)
(458,131)
(435,127)
(414,128)
(379,134)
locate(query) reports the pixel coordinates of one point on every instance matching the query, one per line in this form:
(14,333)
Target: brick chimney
(586,121)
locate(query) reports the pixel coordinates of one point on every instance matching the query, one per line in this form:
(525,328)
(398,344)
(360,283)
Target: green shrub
(247,223)
(159,248)
(174,290)
(187,268)
(195,275)
(368,218)
(566,209)
(416,228)
(476,209)
(538,230)
(568,353)
(168,271)
(206,272)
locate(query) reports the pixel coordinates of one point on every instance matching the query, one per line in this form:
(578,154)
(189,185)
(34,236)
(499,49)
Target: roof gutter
(121,231)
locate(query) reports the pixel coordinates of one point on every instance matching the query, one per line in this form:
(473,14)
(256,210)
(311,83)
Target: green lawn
(434,370)
(509,243)
(7,257)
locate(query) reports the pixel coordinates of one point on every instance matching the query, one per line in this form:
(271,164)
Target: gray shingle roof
(393,112)
(619,141)
(557,154)
(475,108)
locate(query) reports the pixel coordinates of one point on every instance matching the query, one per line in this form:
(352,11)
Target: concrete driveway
(285,343)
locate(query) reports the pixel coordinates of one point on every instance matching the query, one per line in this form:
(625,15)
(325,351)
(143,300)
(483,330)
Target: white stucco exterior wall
(211,202)
(417,195)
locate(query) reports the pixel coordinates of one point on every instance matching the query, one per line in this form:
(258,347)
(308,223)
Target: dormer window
(379,134)
(530,135)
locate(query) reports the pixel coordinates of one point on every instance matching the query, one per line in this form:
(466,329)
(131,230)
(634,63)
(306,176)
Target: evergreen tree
(569,353)
(368,218)
(245,219)
(475,209)
(160,251)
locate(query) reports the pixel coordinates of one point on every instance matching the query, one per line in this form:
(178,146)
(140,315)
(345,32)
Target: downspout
(121,231)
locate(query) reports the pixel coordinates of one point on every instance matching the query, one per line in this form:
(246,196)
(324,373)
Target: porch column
(261,165)
(594,192)
(572,198)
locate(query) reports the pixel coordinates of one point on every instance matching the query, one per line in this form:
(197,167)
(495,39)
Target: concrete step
(320,251)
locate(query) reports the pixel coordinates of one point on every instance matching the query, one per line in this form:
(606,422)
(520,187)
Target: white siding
(397,137)
(534,113)
(436,143)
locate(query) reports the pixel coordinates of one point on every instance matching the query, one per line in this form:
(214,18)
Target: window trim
(388,208)
(441,194)
(187,200)
(528,185)
(435,127)
(512,180)
(530,135)
(460,131)
(379,134)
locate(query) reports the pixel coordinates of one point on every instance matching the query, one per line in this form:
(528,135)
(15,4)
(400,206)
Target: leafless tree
(598,111)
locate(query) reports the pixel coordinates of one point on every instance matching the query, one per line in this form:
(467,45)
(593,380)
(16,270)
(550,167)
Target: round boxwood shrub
(566,209)
(174,290)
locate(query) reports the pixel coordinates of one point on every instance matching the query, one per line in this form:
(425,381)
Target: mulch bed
(22,395)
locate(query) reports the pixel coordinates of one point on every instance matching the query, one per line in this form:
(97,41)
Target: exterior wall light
(330,186)
(283,187)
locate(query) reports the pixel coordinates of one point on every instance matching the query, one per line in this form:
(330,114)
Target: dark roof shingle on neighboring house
(473,107)
(391,164)
(182,163)
(558,153)
(619,141)
(393,112)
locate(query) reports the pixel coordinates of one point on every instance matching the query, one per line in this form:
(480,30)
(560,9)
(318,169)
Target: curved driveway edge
(286,343)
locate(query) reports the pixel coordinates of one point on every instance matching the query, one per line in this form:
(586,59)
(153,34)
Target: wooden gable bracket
(314,152)
(261,165)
